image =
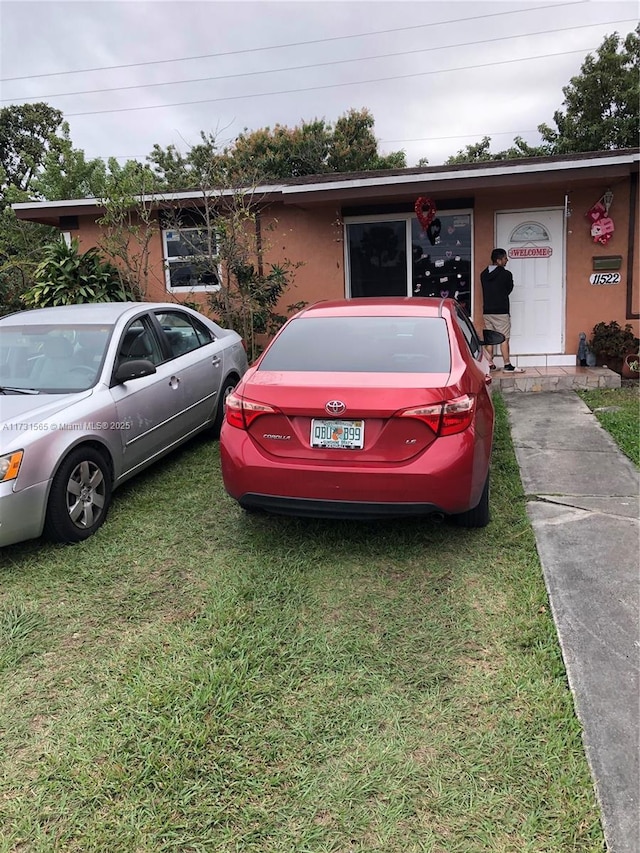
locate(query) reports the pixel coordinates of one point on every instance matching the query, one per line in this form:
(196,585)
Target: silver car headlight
(10,465)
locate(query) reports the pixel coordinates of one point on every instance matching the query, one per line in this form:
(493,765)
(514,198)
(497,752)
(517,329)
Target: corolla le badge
(335,407)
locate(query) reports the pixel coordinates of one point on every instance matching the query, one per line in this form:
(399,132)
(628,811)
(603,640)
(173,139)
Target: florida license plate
(347,435)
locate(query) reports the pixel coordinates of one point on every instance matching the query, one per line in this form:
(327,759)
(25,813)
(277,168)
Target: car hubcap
(85,494)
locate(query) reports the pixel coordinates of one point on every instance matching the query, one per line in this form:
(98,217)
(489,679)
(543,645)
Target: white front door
(534,241)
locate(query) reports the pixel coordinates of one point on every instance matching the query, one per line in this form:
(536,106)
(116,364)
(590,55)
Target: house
(569,224)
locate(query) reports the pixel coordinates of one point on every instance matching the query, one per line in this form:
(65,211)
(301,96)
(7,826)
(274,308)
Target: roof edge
(497,168)
(356,180)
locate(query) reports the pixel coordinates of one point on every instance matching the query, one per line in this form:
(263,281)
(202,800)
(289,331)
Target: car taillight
(241,413)
(445,418)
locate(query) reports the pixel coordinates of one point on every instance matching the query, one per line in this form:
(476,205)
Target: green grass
(618,410)
(196,679)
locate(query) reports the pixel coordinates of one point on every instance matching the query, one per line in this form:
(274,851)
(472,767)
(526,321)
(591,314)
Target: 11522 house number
(604,278)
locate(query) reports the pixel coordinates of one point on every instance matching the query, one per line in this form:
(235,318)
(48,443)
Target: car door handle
(174,381)
(215,360)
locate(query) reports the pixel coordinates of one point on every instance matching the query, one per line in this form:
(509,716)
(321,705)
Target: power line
(413,27)
(326,86)
(304,67)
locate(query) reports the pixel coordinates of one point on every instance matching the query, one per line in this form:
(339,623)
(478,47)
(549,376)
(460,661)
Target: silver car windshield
(52,360)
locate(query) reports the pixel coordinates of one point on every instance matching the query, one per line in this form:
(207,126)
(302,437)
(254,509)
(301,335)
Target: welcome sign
(531,252)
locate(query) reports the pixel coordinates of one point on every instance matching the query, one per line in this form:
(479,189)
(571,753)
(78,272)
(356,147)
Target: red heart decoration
(425,209)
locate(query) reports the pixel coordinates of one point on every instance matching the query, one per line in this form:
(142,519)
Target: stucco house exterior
(568,223)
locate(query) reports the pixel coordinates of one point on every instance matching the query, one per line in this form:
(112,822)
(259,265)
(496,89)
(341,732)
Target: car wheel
(479,515)
(80,496)
(227,387)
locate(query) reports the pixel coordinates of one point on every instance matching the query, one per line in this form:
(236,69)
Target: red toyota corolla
(365,408)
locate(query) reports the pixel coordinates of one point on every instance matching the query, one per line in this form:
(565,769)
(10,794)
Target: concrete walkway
(538,379)
(583,504)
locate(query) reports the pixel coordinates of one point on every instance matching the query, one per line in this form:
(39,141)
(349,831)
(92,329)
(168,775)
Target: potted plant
(611,343)
(631,366)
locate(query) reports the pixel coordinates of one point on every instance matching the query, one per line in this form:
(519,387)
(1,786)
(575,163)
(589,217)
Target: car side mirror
(491,338)
(134,369)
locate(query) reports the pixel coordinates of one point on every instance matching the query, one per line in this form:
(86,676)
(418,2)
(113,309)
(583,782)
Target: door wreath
(425,209)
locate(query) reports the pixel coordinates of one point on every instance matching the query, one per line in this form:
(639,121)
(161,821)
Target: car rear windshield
(361,344)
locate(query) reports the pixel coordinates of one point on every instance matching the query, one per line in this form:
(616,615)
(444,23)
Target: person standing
(497,284)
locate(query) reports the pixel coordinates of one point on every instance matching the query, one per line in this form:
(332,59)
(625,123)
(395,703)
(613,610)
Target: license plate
(347,435)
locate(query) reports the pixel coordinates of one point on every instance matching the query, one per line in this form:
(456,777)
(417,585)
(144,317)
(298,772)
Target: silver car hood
(19,411)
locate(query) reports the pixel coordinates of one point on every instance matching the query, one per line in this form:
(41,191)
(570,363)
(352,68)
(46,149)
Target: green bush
(611,340)
(247,300)
(66,277)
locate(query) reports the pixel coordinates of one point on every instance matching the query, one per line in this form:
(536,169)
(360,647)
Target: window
(139,342)
(443,268)
(183,333)
(469,332)
(361,344)
(377,258)
(394,256)
(52,359)
(190,257)
(529,232)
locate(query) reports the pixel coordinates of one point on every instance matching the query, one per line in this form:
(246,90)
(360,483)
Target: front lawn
(196,679)
(618,410)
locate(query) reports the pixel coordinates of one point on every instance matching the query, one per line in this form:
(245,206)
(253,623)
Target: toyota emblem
(335,407)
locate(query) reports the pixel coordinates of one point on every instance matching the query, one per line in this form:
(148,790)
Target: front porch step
(556,379)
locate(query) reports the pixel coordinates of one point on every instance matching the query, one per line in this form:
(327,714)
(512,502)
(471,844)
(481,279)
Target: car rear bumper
(307,508)
(446,478)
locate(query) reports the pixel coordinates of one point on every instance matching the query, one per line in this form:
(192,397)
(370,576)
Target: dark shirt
(497,284)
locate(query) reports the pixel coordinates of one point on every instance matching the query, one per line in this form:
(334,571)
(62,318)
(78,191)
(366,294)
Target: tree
(21,245)
(601,103)
(481,152)
(171,168)
(66,173)
(37,160)
(311,148)
(175,171)
(230,248)
(279,154)
(224,243)
(129,223)
(601,109)
(477,153)
(354,148)
(26,132)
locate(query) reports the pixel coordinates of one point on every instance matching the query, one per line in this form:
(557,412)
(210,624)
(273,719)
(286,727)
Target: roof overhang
(50,212)
(460,181)
(400,184)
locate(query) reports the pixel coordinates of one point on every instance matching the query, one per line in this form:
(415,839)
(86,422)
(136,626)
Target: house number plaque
(604,278)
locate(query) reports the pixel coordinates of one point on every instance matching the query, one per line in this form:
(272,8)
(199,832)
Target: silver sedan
(92,394)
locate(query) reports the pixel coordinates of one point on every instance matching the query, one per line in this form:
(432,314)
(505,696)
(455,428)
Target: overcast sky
(437,75)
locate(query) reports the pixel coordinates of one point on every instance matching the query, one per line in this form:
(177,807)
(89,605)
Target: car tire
(227,387)
(80,496)
(479,516)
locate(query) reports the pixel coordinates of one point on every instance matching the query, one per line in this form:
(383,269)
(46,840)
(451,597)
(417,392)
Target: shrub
(66,277)
(247,300)
(612,341)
